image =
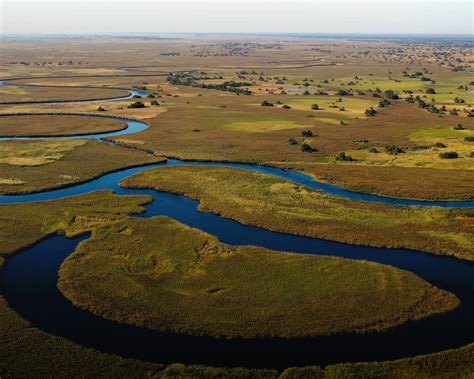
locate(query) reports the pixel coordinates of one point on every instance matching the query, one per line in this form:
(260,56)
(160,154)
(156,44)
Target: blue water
(30,277)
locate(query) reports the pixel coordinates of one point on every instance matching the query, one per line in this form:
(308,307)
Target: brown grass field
(56,125)
(11,94)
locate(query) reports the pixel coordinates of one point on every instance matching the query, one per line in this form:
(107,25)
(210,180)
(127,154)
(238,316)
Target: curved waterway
(30,286)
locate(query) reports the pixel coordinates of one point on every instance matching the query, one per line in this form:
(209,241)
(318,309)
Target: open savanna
(247,132)
(11,94)
(276,204)
(163,275)
(37,165)
(219,126)
(56,125)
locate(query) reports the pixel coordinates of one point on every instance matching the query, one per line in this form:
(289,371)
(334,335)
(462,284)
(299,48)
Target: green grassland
(428,156)
(32,166)
(395,181)
(163,275)
(275,204)
(56,125)
(353,107)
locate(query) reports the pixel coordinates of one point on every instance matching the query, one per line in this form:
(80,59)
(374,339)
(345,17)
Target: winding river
(30,285)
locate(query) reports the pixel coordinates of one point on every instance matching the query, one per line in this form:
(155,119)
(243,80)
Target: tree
(307,133)
(315,107)
(390,94)
(430,91)
(458,127)
(286,106)
(370,112)
(292,141)
(101,109)
(266,103)
(137,104)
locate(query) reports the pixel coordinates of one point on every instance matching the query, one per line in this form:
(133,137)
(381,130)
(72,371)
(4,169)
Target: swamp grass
(279,205)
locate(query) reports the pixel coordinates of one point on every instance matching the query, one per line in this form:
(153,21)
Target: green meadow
(276,204)
(163,275)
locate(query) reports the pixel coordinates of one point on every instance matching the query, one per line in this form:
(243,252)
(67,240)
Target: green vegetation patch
(276,204)
(161,274)
(32,166)
(352,107)
(24,224)
(263,126)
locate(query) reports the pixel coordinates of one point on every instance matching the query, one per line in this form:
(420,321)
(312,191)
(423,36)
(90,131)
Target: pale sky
(261,16)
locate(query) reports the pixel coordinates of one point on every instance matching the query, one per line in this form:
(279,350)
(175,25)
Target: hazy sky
(325,16)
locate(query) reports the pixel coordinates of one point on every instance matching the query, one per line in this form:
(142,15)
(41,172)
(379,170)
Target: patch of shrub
(266,103)
(342,156)
(469,138)
(292,141)
(306,148)
(343,92)
(440,145)
(307,133)
(449,155)
(394,150)
(384,103)
(458,127)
